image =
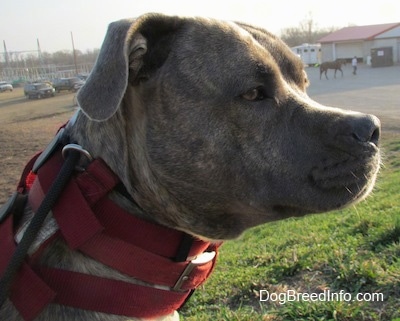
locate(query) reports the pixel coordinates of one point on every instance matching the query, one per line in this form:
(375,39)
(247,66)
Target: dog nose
(366,128)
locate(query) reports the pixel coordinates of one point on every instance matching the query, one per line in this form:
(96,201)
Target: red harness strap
(91,223)
(29,293)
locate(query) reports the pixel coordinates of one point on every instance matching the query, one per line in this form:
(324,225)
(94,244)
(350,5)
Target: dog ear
(131,51)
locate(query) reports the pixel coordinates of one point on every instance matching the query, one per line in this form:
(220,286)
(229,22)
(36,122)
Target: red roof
(358,32)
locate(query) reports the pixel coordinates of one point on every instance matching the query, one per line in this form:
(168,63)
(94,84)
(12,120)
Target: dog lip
(348,169)
(346,145)
(288,209)
(285,211)
(338,178)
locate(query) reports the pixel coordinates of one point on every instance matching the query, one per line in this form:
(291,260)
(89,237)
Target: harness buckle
(202,259)
(77,148)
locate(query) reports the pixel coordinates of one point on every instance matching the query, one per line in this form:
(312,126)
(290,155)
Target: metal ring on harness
(77,148)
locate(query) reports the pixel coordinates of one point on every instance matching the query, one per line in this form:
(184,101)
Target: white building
(364,42)
(309,53)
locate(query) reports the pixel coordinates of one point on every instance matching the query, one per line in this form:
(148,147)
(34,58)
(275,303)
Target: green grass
(356,250)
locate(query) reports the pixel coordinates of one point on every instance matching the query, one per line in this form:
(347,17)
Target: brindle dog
(209,126)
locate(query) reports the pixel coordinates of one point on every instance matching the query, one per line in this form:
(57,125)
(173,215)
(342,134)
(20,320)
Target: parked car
(5,86)
(39,90)
(83,77)
(70,84)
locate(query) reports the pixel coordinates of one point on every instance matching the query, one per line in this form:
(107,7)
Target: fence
(18,75)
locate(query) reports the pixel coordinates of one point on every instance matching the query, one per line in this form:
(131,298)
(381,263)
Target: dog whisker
(354,175)
(348,189)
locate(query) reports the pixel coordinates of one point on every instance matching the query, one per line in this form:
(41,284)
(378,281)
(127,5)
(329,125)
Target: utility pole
(73,48)
(42,69)
(38,48)
(5,53)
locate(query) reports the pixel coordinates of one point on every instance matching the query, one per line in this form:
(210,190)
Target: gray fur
(170,107)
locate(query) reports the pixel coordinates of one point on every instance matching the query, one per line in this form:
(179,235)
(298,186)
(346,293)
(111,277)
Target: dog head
(209,126)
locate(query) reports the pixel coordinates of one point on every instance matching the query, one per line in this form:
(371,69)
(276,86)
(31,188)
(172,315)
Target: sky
(22,22)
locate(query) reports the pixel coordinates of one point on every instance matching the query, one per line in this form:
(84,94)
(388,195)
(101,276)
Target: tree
(306,32)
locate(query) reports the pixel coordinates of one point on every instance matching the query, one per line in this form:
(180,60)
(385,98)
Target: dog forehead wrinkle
(254,67)
(289,64)
(269,62)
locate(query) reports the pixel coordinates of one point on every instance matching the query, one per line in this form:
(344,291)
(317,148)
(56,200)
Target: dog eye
(254,94)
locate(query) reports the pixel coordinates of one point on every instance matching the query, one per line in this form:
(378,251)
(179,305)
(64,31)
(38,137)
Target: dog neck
(169,264)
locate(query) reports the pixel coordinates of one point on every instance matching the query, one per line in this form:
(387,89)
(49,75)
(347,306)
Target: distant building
(373,44)
(309,53)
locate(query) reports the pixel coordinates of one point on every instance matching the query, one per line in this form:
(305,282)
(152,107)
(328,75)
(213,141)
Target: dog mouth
(351,174)
(345,181)
(334,185)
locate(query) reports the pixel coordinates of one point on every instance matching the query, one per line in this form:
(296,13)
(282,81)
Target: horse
(337,65)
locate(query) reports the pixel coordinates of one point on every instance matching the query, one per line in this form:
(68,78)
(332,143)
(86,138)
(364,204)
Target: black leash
(36,223)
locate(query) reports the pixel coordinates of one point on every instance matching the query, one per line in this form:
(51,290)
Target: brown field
(26,126)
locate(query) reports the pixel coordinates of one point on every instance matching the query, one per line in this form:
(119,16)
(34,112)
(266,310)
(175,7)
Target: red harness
(89,222)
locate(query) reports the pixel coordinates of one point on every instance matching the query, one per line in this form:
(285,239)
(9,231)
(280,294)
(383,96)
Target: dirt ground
(27,126)
(373,91)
